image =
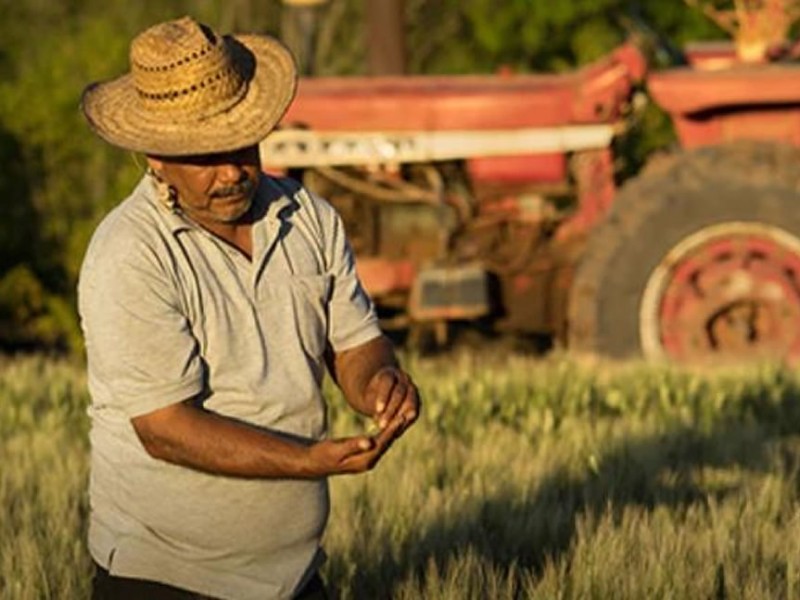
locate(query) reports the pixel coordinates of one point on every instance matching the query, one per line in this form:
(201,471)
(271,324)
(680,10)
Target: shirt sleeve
(352,317)
(141,353)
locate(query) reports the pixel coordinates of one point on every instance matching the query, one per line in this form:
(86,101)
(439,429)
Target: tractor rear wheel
(699,260)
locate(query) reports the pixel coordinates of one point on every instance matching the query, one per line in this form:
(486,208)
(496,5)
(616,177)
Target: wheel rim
(730,291)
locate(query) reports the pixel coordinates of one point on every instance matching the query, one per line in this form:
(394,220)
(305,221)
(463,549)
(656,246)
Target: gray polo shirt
(170,312)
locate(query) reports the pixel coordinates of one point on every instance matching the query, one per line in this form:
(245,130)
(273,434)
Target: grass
(43,473)
(523,479)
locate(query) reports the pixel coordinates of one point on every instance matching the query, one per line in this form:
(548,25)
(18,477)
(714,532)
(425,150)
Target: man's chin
(236,210)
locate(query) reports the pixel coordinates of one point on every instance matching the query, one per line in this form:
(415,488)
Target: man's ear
(155,164)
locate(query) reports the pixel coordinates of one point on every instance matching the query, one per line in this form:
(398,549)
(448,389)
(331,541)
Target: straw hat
(191,91)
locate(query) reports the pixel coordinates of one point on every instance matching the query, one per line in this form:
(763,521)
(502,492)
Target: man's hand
(351,455)
(394,399)
(376,386)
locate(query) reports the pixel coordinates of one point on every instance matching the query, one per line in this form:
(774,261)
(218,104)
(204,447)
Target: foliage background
(58,180)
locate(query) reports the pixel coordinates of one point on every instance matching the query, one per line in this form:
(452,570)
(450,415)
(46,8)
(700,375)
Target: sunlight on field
(524,478)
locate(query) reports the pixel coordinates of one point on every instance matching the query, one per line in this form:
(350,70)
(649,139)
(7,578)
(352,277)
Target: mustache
(237,189)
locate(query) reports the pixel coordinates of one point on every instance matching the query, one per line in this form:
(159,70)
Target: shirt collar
(275,198)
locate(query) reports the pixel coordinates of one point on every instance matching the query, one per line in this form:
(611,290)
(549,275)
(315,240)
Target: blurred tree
(300,23)
(386,36)
(20,226)
(65,177)
(341,45)
(462,36)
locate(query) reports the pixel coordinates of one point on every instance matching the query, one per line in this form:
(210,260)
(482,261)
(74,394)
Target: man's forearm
(191,437)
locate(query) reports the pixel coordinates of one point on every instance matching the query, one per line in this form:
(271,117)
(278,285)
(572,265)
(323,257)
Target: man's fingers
(364,444)
(386,435)
(380,387)
(411,405)
(408,407)
(360,454)
(396,398)
(391,389)
(411,410)
(363,459)
(348,447)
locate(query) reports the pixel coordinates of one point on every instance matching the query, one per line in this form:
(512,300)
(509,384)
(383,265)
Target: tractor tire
(699,259)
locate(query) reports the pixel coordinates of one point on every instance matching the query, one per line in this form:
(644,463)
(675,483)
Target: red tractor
(493,197)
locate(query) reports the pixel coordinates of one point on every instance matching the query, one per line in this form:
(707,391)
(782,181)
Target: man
(212,299)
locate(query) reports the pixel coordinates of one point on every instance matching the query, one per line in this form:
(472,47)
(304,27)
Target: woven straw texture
(191,91)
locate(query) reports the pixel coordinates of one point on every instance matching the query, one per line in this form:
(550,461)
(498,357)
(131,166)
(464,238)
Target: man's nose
(231,172)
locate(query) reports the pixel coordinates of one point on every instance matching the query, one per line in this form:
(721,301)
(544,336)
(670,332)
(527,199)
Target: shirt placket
(266,237)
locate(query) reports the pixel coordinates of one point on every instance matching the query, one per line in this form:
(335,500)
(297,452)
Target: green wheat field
(525,478)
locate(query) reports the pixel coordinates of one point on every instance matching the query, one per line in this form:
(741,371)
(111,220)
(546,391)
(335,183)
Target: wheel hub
(730,291)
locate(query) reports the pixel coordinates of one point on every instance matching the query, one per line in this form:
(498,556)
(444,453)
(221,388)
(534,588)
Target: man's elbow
(153,444)
(156,431)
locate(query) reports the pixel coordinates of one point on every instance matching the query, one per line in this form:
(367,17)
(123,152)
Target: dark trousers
(110,587)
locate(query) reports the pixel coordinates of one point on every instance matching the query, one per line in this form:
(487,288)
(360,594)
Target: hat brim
(115,113)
